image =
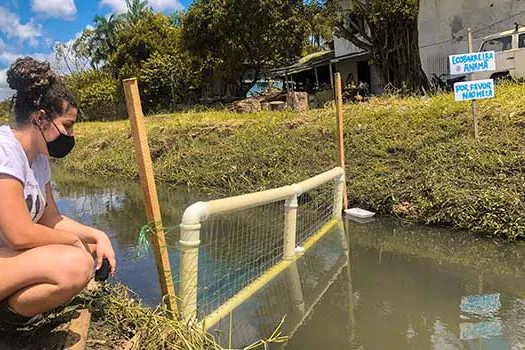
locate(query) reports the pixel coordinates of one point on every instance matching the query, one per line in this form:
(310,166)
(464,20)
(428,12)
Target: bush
(97,94)
(165,82)
(5,112)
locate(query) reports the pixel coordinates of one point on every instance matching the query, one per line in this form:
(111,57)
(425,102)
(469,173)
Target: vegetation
(181,57)
(259,34)
(5,112)
(119,320)
(389,31)
(413,157)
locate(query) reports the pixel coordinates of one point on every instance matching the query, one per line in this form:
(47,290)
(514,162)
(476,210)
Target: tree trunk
(396,54)
(393,42)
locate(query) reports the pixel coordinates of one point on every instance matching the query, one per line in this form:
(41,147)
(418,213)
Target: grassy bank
(413,157)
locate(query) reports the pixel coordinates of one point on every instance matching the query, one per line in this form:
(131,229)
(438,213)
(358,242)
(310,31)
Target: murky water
(396,287)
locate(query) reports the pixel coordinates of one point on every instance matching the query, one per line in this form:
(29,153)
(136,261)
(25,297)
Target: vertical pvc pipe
(340,130)
(296,289)
(189,270)
(339,184)
(290,227)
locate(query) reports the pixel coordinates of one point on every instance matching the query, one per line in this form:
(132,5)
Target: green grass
(412,157)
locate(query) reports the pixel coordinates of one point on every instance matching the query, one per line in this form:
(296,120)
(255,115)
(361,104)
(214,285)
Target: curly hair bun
(29,76)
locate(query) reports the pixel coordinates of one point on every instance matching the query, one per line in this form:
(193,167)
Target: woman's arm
(52,218)
(15,221)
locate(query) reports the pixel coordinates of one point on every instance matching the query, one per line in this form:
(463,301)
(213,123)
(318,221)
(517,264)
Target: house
(443,26)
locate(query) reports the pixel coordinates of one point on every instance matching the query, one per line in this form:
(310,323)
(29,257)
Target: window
(499,44)
(521,41)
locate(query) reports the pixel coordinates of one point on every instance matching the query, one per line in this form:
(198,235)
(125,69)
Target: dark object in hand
(102,274)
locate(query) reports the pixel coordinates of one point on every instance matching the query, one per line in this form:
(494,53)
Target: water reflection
(407,297)
(117,208)
(380,286)
(294,294)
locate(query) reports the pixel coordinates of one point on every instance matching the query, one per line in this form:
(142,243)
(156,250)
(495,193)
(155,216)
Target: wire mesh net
(292,295)
(315,209)
(238,247)
(235,249)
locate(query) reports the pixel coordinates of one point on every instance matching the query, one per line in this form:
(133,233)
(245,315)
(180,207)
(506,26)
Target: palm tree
(103,39)
(136,9)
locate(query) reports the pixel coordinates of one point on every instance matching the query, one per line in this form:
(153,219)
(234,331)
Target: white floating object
(299,250)
(361,221)
(360,213)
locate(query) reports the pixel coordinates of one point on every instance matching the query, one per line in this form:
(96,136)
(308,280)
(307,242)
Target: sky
(32,27)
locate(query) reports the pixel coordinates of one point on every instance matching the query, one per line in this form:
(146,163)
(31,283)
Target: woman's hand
(104,249)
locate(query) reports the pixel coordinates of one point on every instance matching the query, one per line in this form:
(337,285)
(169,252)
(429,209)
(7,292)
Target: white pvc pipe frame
(201,211)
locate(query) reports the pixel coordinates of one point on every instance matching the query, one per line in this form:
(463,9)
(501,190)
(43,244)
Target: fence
(230,248)
(294,293)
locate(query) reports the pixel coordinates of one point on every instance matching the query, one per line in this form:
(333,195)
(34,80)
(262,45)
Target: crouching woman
(45,257)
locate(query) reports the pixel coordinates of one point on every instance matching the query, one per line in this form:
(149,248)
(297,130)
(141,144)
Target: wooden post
(149,191)
(340,131)
(474,102)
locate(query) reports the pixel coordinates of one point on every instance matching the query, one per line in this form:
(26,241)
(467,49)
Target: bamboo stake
(340,131)
(474,102)
(149,191)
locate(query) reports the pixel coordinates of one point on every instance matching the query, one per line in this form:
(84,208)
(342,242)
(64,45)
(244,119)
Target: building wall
(443,27)
(345,68)
(342,46)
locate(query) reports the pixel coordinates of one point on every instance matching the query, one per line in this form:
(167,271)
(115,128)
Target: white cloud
(10,25)
(119,6)
(5,91)
(161,5)
(7,57)
(64,9)
(3,78)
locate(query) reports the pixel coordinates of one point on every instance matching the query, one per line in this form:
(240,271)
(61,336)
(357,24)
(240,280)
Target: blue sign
(474,90)
(481,305)
(472,62)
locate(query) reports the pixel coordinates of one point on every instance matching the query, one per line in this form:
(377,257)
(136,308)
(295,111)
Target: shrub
(97,94)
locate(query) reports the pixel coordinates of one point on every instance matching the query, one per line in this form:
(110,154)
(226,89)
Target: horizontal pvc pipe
(252,200)
(200,211)
(320,179)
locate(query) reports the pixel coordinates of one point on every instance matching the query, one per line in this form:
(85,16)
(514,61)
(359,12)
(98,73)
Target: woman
(45,257)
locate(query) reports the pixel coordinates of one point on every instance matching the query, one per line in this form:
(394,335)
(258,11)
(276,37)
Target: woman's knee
(76,269)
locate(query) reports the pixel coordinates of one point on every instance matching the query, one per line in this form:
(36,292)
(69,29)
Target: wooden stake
(149,191)
(340,131)
(474,102)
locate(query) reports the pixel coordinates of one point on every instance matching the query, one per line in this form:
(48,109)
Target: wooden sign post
(474,103)
(340,131)
(149,191)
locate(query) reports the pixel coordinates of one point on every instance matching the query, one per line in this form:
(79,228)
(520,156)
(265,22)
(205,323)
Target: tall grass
(412,157)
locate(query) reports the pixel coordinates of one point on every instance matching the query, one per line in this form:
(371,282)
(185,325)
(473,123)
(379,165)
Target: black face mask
(61,146)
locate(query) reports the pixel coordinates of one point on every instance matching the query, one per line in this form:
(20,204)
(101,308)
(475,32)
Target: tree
(75,58)
(231,36)
(136,9)
(167,80)
(99,42)
(389,31)
(320,16)
(153,33)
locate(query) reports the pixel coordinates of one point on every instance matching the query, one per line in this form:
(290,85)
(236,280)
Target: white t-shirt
(34,176)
